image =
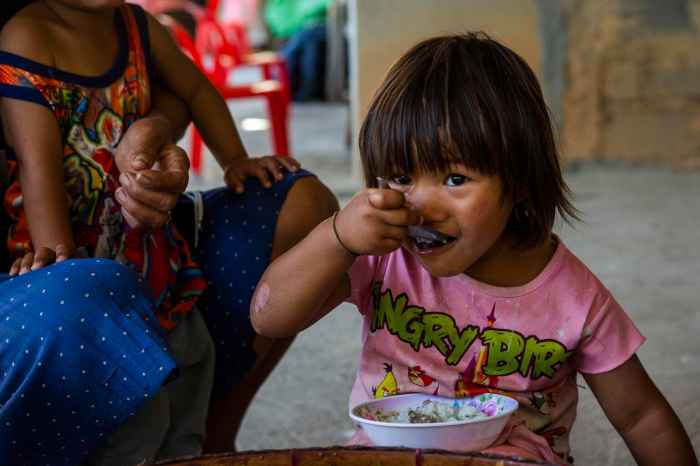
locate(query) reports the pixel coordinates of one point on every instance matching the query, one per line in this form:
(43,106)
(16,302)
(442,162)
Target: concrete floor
(640,235)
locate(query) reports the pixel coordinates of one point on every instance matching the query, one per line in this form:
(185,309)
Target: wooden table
(353,456)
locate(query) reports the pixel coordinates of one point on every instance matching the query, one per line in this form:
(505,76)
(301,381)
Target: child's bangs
(426,125)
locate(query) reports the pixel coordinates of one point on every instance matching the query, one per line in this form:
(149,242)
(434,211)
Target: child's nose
(426,203)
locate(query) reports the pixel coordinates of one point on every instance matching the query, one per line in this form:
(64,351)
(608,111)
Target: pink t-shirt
(459,337)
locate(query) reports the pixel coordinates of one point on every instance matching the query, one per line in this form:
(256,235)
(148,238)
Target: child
(89,65)
(460,130)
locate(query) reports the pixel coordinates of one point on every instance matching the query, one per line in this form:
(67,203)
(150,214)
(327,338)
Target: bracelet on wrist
(337,237)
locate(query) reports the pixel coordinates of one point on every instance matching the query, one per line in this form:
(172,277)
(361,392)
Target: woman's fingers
(139,147)
(138,215)
(170,181)
(175,164)
(161,201)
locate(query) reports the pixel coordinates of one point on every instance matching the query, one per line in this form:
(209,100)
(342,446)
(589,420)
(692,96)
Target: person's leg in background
(312,64)
(305,54)
(240,235)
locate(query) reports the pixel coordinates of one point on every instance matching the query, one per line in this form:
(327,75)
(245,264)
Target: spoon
(417,231)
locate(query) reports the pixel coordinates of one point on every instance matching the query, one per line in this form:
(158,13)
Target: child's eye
(401,180)
(455,179)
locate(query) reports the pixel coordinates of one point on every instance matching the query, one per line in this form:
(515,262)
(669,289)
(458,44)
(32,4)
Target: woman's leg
(80,352)
(234,249)
(308,203)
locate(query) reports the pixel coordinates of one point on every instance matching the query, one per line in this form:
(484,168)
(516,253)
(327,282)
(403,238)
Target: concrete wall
(621,77)
(631,74)
(381,30)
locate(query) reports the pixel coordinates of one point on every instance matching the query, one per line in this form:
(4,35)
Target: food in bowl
(427,421)
(429,411)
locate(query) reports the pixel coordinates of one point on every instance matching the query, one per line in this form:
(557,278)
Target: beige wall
(633,86)
(381,30)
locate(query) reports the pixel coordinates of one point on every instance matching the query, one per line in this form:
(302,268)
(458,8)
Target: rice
(431,412)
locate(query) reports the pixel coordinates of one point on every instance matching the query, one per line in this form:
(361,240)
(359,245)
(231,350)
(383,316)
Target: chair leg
(283,78)
(196,152)
(278,122)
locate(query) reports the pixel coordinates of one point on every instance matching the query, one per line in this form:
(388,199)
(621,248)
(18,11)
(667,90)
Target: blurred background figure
(302,25)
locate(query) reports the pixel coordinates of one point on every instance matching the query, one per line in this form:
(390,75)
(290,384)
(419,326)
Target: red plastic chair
(270,90)
(231,41)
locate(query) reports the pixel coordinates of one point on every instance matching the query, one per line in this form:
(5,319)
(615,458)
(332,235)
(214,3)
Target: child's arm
(33,132)
(309,280)
(641,414)
(209,112)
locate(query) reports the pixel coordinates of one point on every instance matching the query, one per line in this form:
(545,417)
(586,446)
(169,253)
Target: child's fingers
(234,181)
(289,163)
(390,244)
(273,166)
(400,217)
(385,199)
(62,253)
(16,265)
(396,233)
(42,257)
(261,173)
(26,264)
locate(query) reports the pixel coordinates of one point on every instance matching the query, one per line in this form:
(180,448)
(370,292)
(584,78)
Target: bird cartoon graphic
(388,385)
(417,376)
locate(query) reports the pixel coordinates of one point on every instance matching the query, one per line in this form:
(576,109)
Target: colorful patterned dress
(93,114)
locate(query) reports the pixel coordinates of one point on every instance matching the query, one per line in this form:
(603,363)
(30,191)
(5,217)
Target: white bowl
(467,435)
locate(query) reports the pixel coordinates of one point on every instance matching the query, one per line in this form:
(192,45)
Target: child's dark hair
(468,99)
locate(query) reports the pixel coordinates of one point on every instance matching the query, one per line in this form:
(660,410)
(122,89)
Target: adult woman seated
(81,357)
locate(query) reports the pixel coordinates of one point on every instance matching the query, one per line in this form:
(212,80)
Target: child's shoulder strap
(136,24)
(24,79)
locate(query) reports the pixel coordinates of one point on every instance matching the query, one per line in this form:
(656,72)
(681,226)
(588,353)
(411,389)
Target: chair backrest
(212,42)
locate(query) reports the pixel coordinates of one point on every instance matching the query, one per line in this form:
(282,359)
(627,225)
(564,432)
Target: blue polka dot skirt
(80,346)
(80,351)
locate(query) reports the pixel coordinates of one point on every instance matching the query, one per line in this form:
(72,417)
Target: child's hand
(42,257)
(236,171)
(375,222)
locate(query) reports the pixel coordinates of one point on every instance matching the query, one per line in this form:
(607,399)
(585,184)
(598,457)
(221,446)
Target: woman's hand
(37,259)
(154,172)
(263,168)
(374,222)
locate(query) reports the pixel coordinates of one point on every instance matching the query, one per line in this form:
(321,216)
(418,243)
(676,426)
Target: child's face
(461,203)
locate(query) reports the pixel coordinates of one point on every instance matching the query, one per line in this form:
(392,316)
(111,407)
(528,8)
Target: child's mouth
(426,239)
